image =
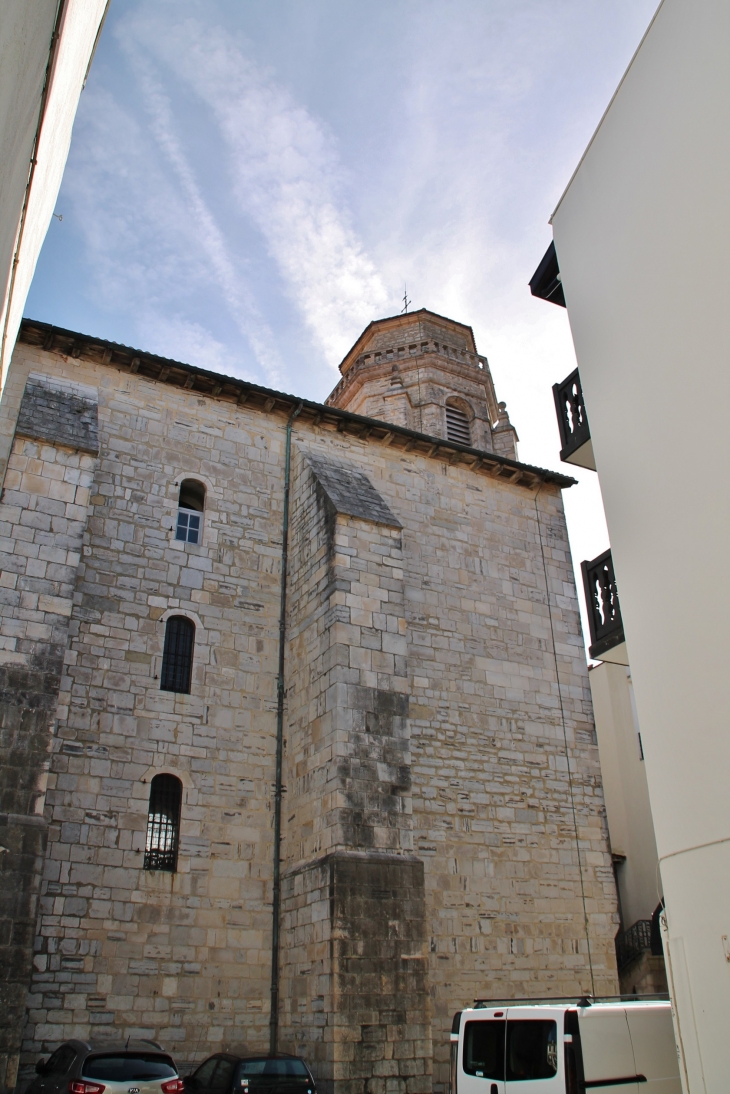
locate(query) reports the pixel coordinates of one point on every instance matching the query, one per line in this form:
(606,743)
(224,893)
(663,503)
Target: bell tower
(422,371)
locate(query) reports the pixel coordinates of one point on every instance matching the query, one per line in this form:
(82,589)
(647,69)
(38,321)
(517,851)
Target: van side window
(191,505)
(484,1049)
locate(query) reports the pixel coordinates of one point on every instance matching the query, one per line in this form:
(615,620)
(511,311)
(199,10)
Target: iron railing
(632,943)
(604,612)
(571,411)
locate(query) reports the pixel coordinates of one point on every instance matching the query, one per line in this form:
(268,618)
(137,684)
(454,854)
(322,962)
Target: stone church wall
(43,516)
(119,948)
(429,851)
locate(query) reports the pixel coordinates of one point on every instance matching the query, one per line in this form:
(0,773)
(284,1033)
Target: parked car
(227,1073)
(78,1067)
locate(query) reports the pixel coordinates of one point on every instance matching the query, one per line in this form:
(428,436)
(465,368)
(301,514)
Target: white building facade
(642,236)
(46,48)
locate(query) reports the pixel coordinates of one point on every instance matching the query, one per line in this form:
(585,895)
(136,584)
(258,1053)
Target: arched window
(191,505)
(458,427)
(163,824)
(177,655)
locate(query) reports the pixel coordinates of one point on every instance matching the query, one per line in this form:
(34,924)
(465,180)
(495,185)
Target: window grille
(163,824)
(457,425)
(177,656)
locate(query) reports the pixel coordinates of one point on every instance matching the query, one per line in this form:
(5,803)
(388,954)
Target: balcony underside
(581,456)
(611,649)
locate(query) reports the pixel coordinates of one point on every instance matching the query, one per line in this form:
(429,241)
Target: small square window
(188,526)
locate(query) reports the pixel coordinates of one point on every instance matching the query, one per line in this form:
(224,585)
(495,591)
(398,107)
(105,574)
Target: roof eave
(212,384)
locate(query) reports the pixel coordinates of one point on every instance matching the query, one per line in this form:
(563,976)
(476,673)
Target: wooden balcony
(604,613)
(575,435)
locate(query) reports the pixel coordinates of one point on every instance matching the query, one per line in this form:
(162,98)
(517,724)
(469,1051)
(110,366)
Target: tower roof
(411,324)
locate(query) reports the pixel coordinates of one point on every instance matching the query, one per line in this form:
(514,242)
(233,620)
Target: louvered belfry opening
(177,656)
(163,824)
(458,427)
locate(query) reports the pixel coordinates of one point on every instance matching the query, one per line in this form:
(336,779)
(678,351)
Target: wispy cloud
(211,242)
(180,339)
(284,172)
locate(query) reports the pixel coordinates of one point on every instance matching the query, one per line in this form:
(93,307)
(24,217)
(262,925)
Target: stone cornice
(234,391)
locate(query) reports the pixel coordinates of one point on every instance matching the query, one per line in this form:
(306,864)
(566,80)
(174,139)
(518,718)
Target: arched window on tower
(458,426)
(163,824)
(177,655)
(191,505)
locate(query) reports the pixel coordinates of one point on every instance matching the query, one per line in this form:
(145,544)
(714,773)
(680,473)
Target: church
(296,721)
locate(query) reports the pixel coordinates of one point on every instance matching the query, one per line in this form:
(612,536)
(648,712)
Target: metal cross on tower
(406,301)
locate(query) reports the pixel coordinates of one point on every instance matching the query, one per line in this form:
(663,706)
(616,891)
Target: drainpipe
(276,902)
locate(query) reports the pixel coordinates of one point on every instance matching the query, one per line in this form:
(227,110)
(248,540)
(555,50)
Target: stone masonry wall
(43,514)
(492,813)
(470,738)
(120,950)
(353,894)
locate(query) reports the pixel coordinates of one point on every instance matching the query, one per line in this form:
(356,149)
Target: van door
(608,1056)
(481,1064)
(534,1057)
(655,1050)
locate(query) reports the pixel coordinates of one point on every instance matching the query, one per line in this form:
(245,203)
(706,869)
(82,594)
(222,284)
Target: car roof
(114,1046)
(257,1055)
(597,1006)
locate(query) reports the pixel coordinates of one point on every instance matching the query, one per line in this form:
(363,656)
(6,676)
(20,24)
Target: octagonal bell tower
(422,371)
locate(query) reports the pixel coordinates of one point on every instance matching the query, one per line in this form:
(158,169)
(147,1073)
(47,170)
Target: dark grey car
(231,1073)
(78,1067)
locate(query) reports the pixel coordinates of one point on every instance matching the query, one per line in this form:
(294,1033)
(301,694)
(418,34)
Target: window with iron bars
(177,655)
(163,824)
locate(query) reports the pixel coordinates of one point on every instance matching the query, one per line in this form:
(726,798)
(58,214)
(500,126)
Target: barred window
(191,505)
(177,655)
(163,824)
(457,424)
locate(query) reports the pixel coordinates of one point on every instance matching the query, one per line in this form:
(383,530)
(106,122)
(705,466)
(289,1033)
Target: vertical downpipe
(276,897)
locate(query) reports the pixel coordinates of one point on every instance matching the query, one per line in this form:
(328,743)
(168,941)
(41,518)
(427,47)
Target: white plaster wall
(26,27)
(630,825)
(643,238)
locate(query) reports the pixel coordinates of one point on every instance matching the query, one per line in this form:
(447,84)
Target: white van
(622,1047)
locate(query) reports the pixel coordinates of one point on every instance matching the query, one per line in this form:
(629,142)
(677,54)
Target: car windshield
(120,1067)
(251,1068)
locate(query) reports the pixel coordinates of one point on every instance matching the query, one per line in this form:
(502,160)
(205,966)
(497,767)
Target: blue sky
(252,181)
